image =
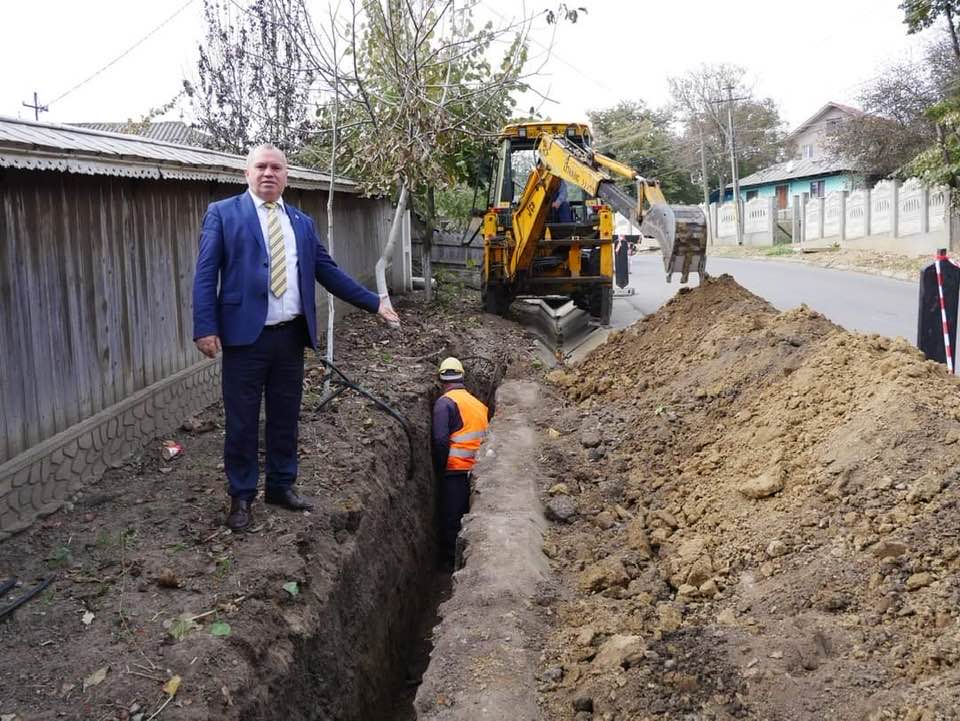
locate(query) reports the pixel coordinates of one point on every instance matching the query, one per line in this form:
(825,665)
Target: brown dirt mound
(767,522)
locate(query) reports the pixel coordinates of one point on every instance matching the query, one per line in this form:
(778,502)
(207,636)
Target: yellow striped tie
(278,258)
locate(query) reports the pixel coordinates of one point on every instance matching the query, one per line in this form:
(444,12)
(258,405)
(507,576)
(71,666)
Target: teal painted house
(814,170)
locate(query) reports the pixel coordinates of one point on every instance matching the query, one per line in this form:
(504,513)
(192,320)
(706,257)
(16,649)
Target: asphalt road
(856,301)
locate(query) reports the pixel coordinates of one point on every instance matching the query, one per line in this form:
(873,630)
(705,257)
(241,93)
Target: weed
(223,567)
(61,557)
(779,250)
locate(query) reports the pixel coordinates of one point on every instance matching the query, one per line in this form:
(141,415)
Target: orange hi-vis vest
(465,443)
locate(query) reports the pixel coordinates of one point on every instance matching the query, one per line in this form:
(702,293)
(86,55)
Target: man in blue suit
(253,297)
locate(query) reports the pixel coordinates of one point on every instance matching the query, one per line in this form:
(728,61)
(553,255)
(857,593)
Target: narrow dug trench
(317,616)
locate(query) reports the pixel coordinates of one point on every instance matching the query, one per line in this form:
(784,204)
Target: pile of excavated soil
(757,517)
(306,616)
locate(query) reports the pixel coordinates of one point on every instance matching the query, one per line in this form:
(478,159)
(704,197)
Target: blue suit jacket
(231,283)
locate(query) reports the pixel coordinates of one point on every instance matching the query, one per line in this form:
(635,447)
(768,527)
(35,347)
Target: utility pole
(705,182)
(37,107)
(738,216)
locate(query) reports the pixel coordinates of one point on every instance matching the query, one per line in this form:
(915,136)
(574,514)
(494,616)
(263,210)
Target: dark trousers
(273,366)
(454,502)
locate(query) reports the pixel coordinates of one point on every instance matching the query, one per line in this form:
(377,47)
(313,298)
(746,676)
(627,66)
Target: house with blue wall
(813,170)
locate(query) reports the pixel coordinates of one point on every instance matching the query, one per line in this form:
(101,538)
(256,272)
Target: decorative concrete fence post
(772,218)
(895,208)
(842,211)
(867,214)
(797,220)
(820,209)
(924,209)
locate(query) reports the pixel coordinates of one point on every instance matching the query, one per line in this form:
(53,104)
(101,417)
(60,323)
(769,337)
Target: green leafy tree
(922,14)
(641,138)
(699,99)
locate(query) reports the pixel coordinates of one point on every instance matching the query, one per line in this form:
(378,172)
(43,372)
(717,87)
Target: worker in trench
(459,427)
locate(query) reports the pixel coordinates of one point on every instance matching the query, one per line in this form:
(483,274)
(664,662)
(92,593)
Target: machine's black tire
(496,299)
(601,303)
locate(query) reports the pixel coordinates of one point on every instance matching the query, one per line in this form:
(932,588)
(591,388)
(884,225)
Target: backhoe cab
(533,250)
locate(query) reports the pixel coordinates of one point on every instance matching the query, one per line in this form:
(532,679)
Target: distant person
(560,210)
(253,296)
(459,427)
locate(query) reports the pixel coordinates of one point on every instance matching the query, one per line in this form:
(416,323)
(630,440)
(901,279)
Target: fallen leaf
(8,717)
(180,627)
(553,433)
(171,686)
(96,677)
(88,618)
(227,698)
(220,628)
(291,587)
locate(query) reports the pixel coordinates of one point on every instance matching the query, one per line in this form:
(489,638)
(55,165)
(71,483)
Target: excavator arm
(680,230)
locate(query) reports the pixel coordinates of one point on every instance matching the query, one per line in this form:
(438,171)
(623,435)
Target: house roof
(793,169)
(168,131)
(30,145)
(846,109)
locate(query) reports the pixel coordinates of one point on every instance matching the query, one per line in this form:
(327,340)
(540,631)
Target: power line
(123,54)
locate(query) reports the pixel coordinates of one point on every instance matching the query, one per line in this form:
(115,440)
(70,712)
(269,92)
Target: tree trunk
(380,270)
(953,35)
(427,245)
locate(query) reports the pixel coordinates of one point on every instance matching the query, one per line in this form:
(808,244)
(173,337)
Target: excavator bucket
(681,231)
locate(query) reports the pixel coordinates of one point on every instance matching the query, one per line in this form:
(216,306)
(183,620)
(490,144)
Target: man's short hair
(265,146)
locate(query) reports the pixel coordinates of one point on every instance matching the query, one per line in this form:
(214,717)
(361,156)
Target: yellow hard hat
(451,369)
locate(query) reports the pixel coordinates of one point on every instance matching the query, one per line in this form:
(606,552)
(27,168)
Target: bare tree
(252,83)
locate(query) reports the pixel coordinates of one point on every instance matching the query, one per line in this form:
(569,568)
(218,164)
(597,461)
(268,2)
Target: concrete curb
(37,482)
(485,652)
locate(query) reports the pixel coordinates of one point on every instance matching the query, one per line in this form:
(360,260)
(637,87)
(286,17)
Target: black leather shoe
(286,498)
(240,514)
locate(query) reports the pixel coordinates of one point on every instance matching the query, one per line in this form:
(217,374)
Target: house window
(816,188)
(751,194)
(806,151)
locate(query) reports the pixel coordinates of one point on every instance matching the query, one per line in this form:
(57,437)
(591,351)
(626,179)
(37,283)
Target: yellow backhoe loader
(528,253)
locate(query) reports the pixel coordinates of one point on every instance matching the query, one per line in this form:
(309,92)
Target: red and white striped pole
(943,312)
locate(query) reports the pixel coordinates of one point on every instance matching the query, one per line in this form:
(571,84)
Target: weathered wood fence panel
(96,276)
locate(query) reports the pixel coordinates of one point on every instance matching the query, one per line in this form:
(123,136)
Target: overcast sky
(800,54)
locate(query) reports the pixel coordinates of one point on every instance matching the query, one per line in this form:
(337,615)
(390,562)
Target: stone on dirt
(619,651)
(561,509)
(763,486)
(607,573)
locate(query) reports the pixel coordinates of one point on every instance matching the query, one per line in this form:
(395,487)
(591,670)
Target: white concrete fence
(909,218)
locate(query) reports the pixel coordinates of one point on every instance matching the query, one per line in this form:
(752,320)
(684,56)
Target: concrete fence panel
(937,208)
(811,220)
(911,208)
(831,214)
(857,218)
(727,221)
(881,208)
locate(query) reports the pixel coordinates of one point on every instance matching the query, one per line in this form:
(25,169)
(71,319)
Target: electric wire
(123,54)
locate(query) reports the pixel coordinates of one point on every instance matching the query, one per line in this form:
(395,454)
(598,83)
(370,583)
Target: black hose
(7,585)
(340,379)
(14,605)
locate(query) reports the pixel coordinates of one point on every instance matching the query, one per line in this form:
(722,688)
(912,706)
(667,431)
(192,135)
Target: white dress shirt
(287,306)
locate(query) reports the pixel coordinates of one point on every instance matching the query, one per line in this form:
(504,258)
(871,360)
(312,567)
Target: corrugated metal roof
(167,131)
(45,146)
(802,168)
